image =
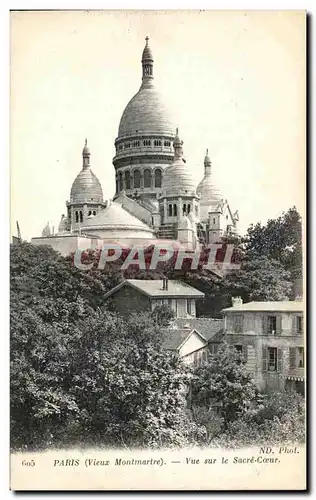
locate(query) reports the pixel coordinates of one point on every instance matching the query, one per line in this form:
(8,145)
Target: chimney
(236,301)
(165,283)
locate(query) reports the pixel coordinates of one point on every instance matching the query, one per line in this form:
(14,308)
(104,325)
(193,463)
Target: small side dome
(46,231)
(86,186)
(62,228)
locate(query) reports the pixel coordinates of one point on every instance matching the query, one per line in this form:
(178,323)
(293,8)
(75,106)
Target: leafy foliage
(259,279)
(223,380)
(80,373)
(279,240)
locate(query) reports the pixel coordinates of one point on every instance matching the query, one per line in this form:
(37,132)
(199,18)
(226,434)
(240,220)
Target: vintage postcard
(157,250)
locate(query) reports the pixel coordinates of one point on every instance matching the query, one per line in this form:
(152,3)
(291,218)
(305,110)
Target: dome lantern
(177,146)
(207,164)
(148,65)
(85,155)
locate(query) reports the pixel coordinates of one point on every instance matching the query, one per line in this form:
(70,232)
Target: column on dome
(165,210)
(124,183)
(180,207)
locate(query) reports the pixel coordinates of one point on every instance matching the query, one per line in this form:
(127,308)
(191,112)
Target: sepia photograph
(157,253)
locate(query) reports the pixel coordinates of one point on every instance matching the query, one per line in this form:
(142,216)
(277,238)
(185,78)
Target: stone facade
(272,343)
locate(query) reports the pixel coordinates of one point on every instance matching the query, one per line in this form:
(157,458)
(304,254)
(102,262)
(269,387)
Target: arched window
(127,180)
(184,208)
(77,216)
(157,143)
(121,181)
(89,213)
(170,210)
(94,212)
(81,216)
(189,208)
(136,179)
(157,178)
(117,185)
(175,210)
(166,144)
(147,142)
(147,178)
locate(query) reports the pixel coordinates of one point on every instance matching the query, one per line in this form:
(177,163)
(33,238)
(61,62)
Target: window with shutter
(272,359)
(299,324)
(272,325)
(294,325)
(301,357)
(264,359)
(278,324)
(265,324)
(279,360)
(292,357)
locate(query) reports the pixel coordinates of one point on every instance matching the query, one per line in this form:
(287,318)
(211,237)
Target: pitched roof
(175,338)
(153,288)
(275,306)
(207,327)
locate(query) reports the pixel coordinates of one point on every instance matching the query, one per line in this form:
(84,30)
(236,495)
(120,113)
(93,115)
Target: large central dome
(146,113)
(144,142)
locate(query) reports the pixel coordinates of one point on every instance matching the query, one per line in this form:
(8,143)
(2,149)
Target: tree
(224,380)
(259,279)
(280,240)
(78,371)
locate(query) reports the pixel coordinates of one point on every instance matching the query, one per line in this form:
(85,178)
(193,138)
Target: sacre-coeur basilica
(156,198)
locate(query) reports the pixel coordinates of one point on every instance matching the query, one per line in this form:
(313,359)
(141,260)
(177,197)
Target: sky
(234,83)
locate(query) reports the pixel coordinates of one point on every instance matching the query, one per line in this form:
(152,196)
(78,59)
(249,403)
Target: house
(191,337)
(134,295)
(271,337)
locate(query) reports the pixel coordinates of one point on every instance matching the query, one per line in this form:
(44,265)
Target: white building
(155,197)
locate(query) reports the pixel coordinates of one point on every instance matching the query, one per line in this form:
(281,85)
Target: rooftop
(154,288)
(207,327)
(273,306)
(175,338)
